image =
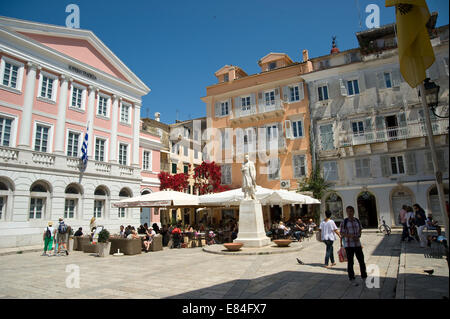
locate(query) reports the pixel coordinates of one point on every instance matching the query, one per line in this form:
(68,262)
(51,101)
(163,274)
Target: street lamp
(432,96)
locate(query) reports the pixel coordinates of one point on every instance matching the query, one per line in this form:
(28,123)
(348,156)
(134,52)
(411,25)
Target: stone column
(136,130)
(25,123)
(90,117)
(114,124)
(61,122)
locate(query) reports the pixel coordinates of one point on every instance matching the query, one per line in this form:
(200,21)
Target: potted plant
(104,245)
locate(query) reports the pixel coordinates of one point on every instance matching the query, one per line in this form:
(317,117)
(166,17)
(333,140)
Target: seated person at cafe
(156,228)
(149,234)
(122,231)
(79,232)
(176,234)
(133,234)
(431,224)
(285,229)
(141,230)
(299,229)
(127,231)
(311,225)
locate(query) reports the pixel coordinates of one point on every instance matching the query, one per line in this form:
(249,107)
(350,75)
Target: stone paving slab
(267,250)
(193,273)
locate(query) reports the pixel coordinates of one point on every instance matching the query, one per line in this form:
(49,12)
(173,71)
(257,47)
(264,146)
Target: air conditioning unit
(285,184)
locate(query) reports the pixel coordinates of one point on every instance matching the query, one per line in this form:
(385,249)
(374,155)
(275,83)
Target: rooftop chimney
(334,48)
(305,55)
(157,116)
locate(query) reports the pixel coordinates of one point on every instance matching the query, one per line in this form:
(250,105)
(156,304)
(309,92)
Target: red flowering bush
(207,178)
(178,182)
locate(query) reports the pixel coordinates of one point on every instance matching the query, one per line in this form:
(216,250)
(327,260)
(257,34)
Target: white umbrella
(232,197)
(160,199)
(284,197)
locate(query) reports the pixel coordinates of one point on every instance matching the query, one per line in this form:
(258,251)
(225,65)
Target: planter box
(156,244)
(104,249)
(233,246)
(126,246)
(90,248)
(282,242)
(79,242)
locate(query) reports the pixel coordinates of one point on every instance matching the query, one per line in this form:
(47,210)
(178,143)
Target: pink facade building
(56,84)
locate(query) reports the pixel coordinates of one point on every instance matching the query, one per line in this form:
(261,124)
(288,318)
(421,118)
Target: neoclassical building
(369,132)
(57,84)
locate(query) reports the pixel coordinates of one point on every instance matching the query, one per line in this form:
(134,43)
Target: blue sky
(176,46)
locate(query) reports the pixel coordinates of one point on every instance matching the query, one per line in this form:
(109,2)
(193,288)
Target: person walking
(62,236)
(350,236)
(49,233)
(328,231)
(410,223)
(420,221)
(402,219)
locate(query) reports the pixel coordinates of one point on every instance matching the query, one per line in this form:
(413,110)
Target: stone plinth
(251,225)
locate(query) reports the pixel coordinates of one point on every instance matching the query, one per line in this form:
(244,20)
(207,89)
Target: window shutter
(230,109)
(260,101)
(239,142)
(379,124)
(357,168)
(367,165)
(445,65)
(442,164)
(301,92)
(396,78)
(286,94)
(343,88)
(277,93)
(411,163)
(288,129)
(381,83)
(385,171)
(217,109)
(401,119)
(428,163)
(313,96)
(253,99)
(237,106)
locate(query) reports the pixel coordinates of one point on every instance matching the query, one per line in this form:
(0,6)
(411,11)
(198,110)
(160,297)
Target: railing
(126,170)
(241,112)
(276,105)
(43,158)
(8,154)
(102,167)
(411,130)
(73,162)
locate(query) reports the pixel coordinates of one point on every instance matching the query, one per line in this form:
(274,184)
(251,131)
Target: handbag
(319,236)
(342,255)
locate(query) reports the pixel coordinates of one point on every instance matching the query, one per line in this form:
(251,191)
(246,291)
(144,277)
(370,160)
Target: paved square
(193,273)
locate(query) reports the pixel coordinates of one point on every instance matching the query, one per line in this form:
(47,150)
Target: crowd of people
(292,229)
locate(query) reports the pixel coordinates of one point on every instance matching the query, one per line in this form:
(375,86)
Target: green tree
(316,184)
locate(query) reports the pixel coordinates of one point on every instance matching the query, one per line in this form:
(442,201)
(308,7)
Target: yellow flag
(414,47)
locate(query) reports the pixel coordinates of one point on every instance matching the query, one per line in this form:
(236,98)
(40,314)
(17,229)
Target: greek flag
(84,150)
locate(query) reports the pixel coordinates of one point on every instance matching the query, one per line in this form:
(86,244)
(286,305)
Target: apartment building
(266,116)
(369,132)
(57,84)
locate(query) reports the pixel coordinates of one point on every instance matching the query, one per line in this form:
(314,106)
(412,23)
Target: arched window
(124,193)
(333,203)
(72,201)
(6,192)
(39,200)
(101,200)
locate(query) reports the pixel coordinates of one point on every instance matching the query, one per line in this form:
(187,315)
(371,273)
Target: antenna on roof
(359,15)
(176,119)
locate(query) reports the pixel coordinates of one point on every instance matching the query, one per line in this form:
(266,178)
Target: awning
(160,199)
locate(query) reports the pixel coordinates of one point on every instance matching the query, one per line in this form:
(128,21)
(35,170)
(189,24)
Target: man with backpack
(351,234)
(48,238)
(62,236)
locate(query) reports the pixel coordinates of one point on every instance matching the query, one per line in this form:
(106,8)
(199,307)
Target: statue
(248,179)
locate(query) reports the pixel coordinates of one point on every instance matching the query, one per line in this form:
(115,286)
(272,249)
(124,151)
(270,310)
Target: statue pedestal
(251,225)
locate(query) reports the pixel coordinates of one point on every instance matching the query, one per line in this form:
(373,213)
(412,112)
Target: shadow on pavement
(311,285)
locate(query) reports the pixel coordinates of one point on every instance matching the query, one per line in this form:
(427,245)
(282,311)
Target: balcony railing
(274,105)
(34,159)
(8,154)
(411,130)
(242,111)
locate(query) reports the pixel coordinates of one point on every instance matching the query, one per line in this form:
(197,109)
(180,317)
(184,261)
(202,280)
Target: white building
(54,81)
(370,137)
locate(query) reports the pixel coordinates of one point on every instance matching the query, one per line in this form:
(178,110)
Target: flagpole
(437,172)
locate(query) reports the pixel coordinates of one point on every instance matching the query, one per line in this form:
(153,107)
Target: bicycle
(384,228)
